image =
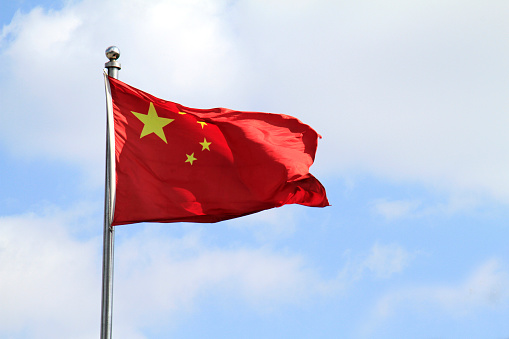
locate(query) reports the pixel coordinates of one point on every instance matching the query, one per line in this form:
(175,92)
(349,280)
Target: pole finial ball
(112,53)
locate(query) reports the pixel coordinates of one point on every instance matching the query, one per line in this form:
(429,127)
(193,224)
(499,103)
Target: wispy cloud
(44,269)
(396,209)
(453,203)
(45,273)
(386,260)
(486,288)
(157,276)
(270,225)
(382,261)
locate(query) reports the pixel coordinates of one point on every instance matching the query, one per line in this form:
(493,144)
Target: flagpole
(113,66)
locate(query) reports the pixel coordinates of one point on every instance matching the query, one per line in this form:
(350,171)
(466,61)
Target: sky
(410,98)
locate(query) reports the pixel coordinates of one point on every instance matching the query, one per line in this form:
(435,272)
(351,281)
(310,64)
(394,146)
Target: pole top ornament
(113,66)
(112,53)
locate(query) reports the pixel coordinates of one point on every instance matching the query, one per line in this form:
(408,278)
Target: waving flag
(174,163)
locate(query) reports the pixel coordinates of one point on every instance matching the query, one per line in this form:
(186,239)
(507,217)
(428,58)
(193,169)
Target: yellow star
(153,123)
(203,123)
(182,113)
(205,144)
(190,158)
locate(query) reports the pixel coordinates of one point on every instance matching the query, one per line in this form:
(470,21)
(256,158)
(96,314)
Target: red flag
(174,163)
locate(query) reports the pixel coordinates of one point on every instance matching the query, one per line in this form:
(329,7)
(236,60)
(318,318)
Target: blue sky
(411,101)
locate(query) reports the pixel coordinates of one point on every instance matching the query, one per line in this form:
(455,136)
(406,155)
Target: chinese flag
(175,163)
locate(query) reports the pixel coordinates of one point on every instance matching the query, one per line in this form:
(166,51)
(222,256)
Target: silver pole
(113,66)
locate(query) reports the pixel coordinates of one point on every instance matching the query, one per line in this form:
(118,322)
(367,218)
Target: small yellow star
(152,123)
(190,158)
(203,123)
(182,113)
(205,144)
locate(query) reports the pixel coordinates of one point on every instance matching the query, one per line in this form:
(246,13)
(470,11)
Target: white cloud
(403,90)
(410,208)
(383,261)
(50,279)
(486,288)
(395,209)
(270,225)
(49,284)
(52,94)
(386,260)
(167,275)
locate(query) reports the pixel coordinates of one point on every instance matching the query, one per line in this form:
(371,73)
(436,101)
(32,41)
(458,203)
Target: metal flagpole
(113,66)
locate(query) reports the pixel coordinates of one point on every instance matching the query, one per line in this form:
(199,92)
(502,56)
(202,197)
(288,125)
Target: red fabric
(254,161)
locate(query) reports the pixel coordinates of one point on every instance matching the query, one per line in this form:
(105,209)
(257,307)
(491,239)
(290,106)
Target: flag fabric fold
(175,163)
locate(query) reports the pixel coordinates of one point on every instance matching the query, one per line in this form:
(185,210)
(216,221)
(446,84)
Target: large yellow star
(190,158)
(153,123)
(205,144)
